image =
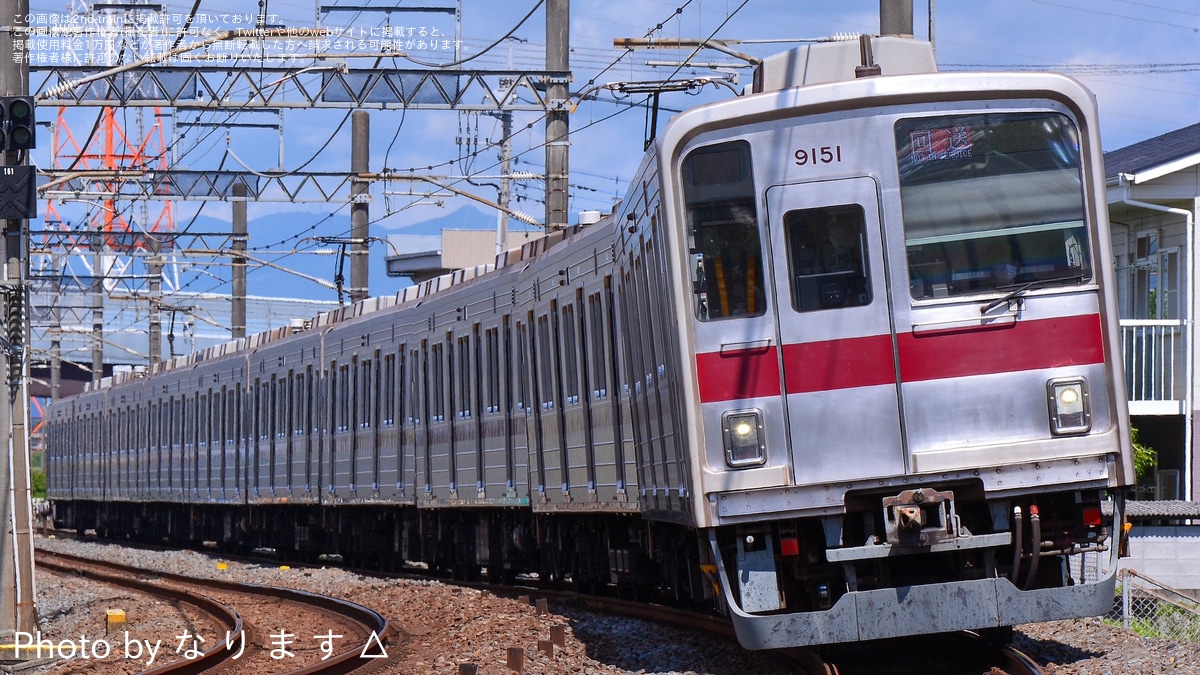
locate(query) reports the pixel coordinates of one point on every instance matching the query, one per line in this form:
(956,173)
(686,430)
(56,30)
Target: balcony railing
(1155,358)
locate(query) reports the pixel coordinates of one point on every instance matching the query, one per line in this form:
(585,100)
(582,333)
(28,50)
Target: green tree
(37,483)
(1145,458)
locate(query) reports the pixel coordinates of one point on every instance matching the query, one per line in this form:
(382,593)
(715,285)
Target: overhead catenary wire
(533,148)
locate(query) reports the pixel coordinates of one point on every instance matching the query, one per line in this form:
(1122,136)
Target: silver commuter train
(842,365)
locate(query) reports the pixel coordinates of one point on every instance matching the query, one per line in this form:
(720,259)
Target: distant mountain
(466,218)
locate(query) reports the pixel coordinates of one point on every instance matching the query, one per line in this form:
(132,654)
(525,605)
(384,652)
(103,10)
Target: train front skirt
(920,609)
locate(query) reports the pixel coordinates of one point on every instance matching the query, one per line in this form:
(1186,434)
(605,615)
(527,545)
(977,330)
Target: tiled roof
(1152,152)
(1157,509)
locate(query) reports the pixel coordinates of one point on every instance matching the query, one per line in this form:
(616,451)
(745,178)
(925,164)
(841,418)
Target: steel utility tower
(113,234)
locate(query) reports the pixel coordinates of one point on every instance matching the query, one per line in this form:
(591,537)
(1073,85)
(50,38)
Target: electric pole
(237,280)
(16,526)
(505,181)
(896,18)
(558,58)
(360,195)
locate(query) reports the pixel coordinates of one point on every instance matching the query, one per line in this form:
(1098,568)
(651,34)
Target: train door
(838,358)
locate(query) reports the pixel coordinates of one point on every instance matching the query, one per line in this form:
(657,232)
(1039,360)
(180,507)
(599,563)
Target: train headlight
(1069,411)
(743,438)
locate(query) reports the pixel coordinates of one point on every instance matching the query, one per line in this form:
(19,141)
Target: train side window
(376,384)
(264,410)
(202,436)
(165,424)
(333,396)
(414,386)
(312,416)
(216,418)
(992,202)
(491,370)
(343,411)
(276,407)
(365,393)
(598,362)
(827,257)
(546,374)
(279,392)
(388,393)
(406,398)
(437,388)
(571,365)
(298,419)
(725,250)
(291,391)
(522,365)
(463,404)
(221,432)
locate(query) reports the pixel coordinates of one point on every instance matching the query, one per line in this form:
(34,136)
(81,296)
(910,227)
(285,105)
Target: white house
(1153,200)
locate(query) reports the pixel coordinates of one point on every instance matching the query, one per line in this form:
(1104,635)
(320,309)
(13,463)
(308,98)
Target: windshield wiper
(1020,290)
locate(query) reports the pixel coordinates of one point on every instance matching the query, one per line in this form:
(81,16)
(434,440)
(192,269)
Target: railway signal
(17,122)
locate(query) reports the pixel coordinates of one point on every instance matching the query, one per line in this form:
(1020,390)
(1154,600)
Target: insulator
(16,327)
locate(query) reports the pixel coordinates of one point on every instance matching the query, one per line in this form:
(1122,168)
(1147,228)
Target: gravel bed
(440,627)
(1091,647)
(74,608)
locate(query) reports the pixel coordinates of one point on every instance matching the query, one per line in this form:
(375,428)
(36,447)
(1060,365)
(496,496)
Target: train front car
(899,296)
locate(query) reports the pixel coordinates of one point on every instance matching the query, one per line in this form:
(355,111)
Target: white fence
(1155,361)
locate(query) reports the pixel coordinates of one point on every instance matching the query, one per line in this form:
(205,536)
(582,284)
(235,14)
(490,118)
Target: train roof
(410,294)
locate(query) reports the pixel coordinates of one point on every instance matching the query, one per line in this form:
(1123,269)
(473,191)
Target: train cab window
(725,250)
(826,249)
(991,202)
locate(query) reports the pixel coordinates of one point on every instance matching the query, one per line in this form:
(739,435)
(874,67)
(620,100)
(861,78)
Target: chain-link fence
(1153,610)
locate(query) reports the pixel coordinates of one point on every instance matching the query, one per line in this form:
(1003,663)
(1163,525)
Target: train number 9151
(826,154)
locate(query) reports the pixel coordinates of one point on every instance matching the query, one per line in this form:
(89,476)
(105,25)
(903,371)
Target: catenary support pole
(558,58)
(896,18)
(238,276)
(360,221)
(16,527)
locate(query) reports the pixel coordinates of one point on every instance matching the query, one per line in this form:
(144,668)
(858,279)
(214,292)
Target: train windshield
(991,202)
(723,240)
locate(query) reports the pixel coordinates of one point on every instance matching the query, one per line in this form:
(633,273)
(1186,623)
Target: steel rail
(343,662)
(221,613)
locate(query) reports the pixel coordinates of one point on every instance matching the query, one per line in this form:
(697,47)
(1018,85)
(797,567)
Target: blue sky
(1139,58)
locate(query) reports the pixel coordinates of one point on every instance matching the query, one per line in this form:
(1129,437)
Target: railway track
(962,653)
(954,654)
(271,628)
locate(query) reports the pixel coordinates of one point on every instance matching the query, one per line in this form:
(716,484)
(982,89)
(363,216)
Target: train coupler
(918,521)
(920,517)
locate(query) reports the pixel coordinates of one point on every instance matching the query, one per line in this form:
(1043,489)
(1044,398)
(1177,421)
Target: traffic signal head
(16,122)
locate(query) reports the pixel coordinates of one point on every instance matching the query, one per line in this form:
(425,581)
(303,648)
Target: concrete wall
(1168,554)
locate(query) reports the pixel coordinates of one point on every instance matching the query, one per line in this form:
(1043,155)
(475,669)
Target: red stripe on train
(838,364)
(830,365)
(1024,345)
(737,374)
